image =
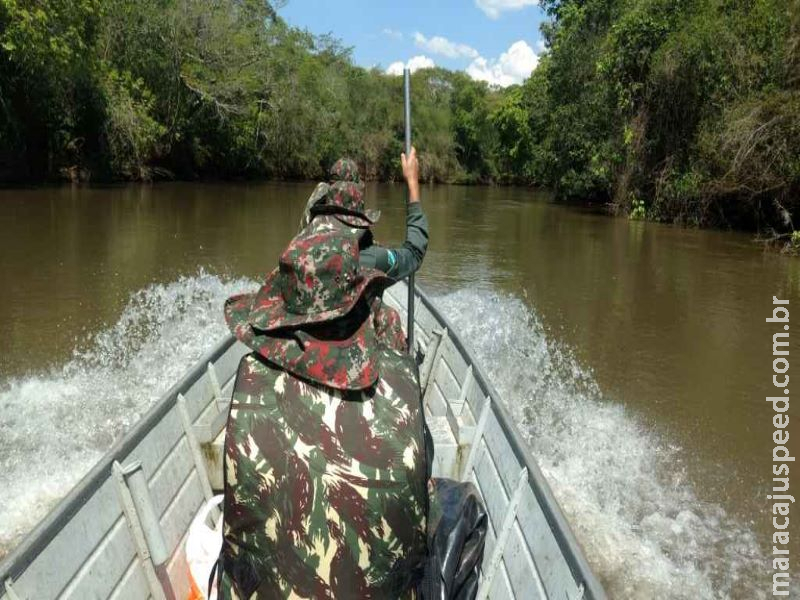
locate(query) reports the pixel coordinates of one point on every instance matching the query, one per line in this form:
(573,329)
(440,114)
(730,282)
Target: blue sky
(494,40)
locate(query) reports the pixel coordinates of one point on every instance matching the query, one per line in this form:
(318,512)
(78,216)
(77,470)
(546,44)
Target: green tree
(47,99)
(515,139)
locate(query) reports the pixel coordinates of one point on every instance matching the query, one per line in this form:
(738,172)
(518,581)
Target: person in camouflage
(339,206)
(342,203)
(325,463)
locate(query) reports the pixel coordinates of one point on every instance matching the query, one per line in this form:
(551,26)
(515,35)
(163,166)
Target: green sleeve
(401,262)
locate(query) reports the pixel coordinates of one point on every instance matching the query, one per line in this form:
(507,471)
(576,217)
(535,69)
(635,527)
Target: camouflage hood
(348,198)
(345,169)
(342,197)
(311,316)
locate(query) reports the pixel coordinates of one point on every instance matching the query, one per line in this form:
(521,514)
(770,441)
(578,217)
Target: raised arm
(401,262)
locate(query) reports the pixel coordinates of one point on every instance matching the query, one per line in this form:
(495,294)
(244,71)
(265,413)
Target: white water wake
(644,530)
(55,426)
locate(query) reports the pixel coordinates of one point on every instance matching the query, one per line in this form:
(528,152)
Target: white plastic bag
(203,546)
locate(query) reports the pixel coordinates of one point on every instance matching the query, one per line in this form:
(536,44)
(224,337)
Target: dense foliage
(678,110)
(114,89)
(675,110)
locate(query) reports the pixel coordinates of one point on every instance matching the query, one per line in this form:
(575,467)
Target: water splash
(55,426)
(643,528)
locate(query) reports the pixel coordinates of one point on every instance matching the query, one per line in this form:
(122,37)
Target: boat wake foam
(644,530)
(55,426)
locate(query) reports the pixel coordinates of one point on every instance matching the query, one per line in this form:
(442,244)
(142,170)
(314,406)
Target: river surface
(634,356)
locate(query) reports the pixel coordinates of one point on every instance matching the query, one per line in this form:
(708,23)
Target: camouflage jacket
(325,490)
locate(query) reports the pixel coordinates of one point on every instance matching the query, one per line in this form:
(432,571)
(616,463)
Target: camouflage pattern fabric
(329,223)
(339,357)
(318,279)
(340,354)
(317,196)
(345,169)
(388,326)
(325,491)
(349,196)
(322,218)
(325,457)
(345,191)
(346,194)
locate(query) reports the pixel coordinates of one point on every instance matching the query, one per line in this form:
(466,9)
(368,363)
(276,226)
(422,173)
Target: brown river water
(634,356)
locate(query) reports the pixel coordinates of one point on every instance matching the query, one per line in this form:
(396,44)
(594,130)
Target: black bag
(457,525)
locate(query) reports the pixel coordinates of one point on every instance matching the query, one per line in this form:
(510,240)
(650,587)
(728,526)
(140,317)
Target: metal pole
(407,114)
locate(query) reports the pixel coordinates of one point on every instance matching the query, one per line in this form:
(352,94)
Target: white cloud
(414,64)
(440,45)
(493,8)
(514,66)
(396,68)
(420,62)
(393,33)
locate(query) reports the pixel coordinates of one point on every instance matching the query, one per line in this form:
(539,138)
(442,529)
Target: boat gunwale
(18,560)
(553,513)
